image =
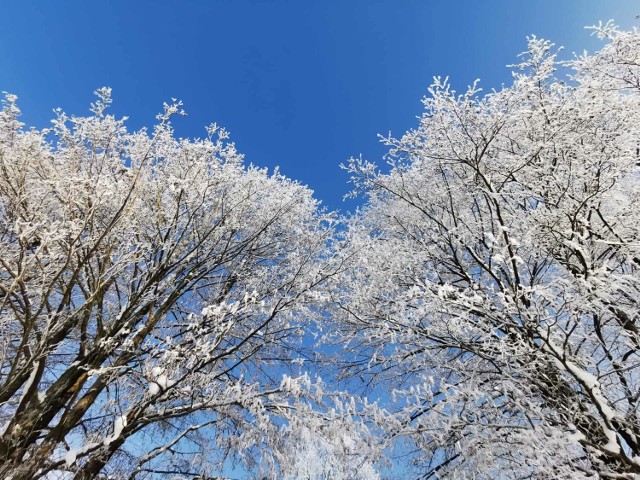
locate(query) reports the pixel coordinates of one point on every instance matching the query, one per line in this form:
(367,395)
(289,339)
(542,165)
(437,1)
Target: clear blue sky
(303,84)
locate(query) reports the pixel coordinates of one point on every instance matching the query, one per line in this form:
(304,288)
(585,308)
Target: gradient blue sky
(303,84)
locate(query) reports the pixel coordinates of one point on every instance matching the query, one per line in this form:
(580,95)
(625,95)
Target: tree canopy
(494,280)
(149,284)
(166,309)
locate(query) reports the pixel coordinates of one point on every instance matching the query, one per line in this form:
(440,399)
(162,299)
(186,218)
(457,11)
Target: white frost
(118,427)
(70,457)
(154,389)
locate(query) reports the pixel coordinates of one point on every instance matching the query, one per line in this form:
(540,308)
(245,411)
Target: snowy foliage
(156,293)
(329,445)
(494,280)
(149,287)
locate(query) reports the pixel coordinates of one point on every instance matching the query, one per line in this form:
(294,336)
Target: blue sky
(303,84)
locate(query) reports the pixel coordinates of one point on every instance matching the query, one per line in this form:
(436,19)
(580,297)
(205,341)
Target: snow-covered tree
(495,273)
(329,445)
(149,288)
